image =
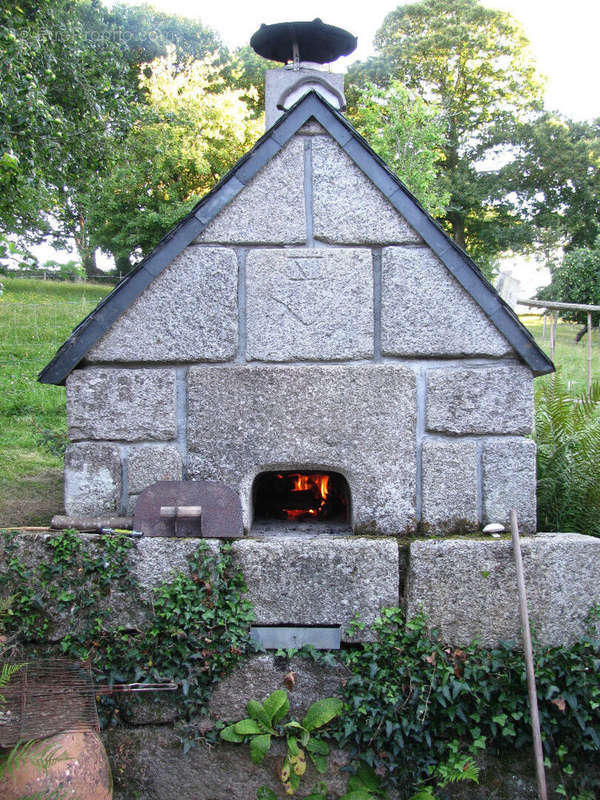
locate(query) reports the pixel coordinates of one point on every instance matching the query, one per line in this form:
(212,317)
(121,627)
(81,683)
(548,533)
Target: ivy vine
(192,630)
(412,704)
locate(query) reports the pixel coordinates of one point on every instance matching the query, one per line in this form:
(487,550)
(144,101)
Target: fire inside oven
(301,497)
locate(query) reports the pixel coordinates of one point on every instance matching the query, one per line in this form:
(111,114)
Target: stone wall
(466,586)
(308,326)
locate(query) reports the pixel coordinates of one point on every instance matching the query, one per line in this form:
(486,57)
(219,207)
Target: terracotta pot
(83,771)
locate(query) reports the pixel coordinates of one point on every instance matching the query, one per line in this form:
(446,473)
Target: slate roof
(87,333)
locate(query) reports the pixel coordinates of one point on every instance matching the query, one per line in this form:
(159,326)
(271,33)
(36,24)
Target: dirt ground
(32,500)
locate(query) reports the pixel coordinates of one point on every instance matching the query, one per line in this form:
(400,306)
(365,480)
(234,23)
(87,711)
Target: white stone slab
(348,208)
(425,311)
(309,304)
(187,313)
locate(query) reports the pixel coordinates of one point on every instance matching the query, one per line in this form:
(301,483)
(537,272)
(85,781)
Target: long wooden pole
(533,704)
(589,353)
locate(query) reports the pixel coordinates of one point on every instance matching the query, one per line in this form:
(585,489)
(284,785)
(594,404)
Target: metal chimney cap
(314,41)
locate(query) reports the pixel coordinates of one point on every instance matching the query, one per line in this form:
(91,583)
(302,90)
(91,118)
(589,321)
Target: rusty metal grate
(46,696)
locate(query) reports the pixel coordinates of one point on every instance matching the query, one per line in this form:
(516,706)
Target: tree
(68,97)
(185,139)
(246,71)
(473,63)
(556,175)
(576,280)
(408,134)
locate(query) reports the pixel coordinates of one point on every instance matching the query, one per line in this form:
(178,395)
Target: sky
(563,34)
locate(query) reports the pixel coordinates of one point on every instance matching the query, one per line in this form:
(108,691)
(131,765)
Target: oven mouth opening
(301,499)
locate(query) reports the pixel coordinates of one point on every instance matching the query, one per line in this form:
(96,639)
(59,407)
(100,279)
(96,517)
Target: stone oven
(310,337)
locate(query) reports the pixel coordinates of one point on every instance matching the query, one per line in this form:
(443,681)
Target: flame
(303,482)
(296,513)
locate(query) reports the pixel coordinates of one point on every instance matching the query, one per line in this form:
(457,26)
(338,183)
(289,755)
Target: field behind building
(36,316)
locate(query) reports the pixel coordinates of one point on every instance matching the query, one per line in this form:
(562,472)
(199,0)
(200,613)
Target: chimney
(304,48)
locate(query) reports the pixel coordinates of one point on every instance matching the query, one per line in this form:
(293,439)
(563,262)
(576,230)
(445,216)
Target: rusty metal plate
(221,516)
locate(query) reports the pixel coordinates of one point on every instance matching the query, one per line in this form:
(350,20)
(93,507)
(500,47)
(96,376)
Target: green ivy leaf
(322,712)
(368,778)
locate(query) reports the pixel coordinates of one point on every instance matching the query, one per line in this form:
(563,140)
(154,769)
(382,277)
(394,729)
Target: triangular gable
(312,105)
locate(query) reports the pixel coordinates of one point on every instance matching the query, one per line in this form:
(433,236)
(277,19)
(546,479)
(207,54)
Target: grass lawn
(35,318)
(570,358)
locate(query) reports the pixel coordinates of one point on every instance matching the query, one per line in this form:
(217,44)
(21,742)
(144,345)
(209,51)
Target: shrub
(567,433)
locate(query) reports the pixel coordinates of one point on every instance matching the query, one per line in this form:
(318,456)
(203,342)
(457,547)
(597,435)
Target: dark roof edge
(87,333)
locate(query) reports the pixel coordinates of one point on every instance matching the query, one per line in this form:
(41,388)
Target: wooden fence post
(554,320)
(589,353)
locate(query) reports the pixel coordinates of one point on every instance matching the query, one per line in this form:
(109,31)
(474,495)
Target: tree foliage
(246,70)
(68,97)
(408,134)
(61,78)
(184,140)
(474,64)
(576,280)
(556,176)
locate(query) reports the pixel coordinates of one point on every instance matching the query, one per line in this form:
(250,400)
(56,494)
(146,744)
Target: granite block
(321,580)
(270,209)
(121,404)
(348,208)
(468,589)
(509,481)
(449,486)
(426,312)
(490,399)
(92,479)
(314,304)
(187,313)
(354,419)
(148,464)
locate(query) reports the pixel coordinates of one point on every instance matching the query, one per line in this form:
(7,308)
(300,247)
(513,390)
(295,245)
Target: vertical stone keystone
(449,486)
